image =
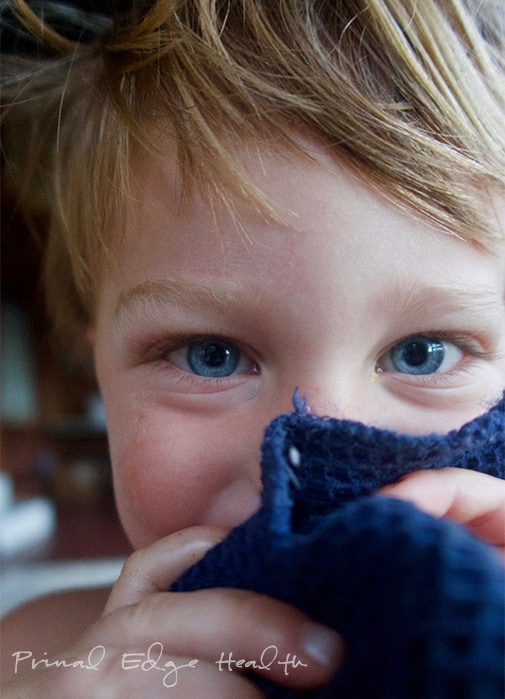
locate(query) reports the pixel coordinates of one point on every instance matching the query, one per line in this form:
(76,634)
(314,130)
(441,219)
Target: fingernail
(322,644)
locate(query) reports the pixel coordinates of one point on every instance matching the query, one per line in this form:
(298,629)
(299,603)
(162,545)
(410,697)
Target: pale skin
(203,329)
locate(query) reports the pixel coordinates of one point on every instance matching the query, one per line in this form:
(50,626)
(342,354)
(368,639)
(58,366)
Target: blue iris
(213,358)
(418,355)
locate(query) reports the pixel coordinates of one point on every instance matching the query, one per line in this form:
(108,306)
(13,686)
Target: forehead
(280,181)
(323,210)
(270,179)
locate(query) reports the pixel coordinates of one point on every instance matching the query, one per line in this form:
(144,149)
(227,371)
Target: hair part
(409,94)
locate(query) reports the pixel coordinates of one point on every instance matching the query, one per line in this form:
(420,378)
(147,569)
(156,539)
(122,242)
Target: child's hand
(470,498)
(159,644)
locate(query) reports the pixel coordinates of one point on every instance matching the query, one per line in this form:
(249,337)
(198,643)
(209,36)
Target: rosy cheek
(152,494)
(173,476)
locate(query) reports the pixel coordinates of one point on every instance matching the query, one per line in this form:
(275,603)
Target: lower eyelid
(450,378)
(177,382)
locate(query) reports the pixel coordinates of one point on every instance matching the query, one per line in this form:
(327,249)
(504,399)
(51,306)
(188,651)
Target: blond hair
(409,93)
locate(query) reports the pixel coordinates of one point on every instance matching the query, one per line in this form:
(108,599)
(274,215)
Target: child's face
(205,326)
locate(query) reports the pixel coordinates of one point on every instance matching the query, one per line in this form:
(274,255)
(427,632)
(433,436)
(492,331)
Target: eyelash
(159,350)
(467,344)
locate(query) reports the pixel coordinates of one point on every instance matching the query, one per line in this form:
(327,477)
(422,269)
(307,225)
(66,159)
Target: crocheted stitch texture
(419,601)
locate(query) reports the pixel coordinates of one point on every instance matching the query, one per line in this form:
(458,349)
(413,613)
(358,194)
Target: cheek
(172,472)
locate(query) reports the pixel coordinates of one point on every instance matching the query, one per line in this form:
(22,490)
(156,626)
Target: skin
(315,301)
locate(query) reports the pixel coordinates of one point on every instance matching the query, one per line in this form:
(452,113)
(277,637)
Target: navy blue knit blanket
(419,601)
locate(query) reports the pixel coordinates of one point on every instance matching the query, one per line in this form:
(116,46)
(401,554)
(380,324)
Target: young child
(247,198)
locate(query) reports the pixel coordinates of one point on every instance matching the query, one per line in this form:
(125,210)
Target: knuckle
(132,565)
(265,612)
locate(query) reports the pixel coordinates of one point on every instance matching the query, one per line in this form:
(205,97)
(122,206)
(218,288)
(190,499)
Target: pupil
(416,353)
(213,358)
(214,355)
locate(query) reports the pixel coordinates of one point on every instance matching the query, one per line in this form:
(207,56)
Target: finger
(156,567)
(471,498)
(107,672)
(179,679)
(234,630)
(148,674)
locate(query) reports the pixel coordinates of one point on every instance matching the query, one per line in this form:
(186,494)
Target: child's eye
(420,355)
(211,357)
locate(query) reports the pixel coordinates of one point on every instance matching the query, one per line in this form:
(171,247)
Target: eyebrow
(481,304)
(181,293)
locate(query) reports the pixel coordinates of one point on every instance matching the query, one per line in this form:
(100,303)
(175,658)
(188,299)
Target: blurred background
(58,523)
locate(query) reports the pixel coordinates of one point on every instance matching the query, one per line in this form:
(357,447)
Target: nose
(341,400)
